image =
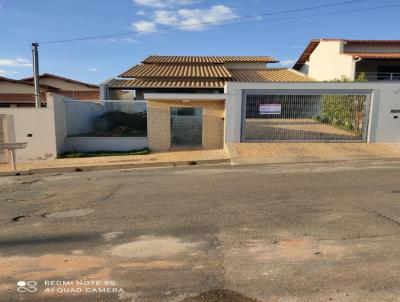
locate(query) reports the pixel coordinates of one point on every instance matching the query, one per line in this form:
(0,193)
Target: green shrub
(134,121)
(103,153)
(344,111)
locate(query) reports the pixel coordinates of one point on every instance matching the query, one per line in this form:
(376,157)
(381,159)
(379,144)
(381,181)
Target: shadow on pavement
(50,239)
(219,295)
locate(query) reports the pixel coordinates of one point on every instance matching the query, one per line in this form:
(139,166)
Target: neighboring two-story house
(331,59)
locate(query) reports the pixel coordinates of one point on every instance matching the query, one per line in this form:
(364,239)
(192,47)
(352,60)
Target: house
(330,59)
(20,93)
(206,103)
(185,94)
(17,93)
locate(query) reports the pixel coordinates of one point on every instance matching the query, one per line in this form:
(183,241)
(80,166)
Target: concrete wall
(383,128)
(56,102)
(36,127)
(159,123)
(88,144)
(118,94)
(327,63)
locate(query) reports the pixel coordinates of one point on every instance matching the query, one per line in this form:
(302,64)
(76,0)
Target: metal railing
(381,76)
(305,116)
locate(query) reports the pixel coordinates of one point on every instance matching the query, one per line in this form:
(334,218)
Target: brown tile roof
(20,98)
(81,95)
(115,83)
(371,41)
(306,53)
(15,81)
(209,59)
(375,55)
(268,75)
(49,75)
(26,98)
(238,75)
(177,71)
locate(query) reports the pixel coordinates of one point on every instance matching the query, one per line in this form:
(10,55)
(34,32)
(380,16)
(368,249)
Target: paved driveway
(296,129)
(304,232)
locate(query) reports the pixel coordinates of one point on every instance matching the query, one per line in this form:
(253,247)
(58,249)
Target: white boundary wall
(36,127)
(45,131)
(88,144)
(383,127)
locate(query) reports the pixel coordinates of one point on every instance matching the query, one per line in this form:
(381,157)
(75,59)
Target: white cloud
(18,62)
(192,18)
(144,26)
(141,13)
(287,63)
(166,17)
(163,3)
(94,69)
(130,40)
(7,72)
(188,19)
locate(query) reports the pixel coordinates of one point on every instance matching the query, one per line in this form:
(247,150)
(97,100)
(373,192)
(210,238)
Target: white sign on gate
(270,109)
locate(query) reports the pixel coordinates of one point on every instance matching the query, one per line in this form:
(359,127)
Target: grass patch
(103,153)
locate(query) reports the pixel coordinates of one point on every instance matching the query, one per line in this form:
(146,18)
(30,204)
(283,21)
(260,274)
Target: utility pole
(35,60)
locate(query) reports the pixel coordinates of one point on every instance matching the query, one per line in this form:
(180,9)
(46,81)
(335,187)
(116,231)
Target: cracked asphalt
(293,232)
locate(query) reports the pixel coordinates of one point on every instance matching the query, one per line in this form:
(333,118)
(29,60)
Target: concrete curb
(318,161)
(114,167)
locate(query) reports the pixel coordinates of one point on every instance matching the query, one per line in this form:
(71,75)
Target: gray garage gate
(332,116)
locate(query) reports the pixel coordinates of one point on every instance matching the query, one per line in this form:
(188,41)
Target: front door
(186,127)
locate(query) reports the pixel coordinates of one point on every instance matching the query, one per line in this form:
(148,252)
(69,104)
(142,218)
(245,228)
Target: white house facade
(333,59)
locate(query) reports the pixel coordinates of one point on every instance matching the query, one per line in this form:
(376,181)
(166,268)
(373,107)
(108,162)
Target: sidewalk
(170,158)
(271,153)
(243,153)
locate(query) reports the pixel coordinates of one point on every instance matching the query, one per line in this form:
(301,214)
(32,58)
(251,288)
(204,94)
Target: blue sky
(95,60)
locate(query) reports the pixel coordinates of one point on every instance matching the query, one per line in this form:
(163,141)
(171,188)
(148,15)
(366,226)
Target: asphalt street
(293,232)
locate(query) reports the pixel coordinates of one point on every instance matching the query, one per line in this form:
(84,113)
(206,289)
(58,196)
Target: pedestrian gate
(333,116)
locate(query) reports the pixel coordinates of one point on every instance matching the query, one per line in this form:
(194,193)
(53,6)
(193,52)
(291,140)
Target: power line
(318,15)
(204,23)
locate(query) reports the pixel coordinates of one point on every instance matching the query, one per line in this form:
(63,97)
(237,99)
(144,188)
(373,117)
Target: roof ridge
(50,75)
(273,68)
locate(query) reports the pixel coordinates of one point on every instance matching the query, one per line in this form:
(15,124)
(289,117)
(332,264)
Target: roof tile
(177,71)
(268,75)
(116,83)
(374,55)
(209,59)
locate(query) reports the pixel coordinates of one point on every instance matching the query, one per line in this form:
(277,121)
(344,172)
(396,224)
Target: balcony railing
(381,76)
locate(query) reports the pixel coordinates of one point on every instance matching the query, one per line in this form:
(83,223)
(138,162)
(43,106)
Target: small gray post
(35,61)
(13,165)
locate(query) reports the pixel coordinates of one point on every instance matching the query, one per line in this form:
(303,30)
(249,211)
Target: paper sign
(270,109)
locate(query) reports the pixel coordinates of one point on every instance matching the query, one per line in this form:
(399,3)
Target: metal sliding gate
(334,116)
